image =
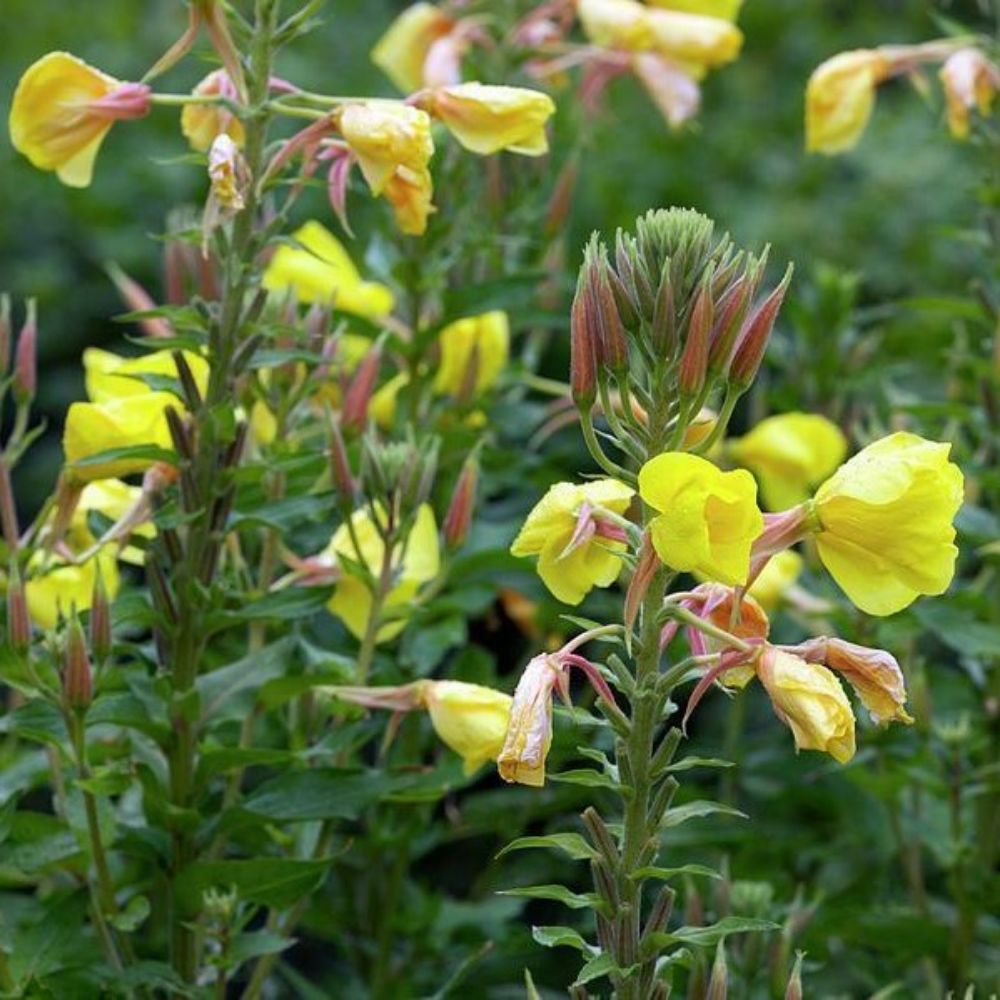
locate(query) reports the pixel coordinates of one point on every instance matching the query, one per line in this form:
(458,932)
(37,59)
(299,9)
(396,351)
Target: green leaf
(38,720)
(709,937)
(287,604)
(589,778)
(274,882)
(288,513)
(665,874)
(220,686)
(218,760)
(560,894)
(256,943)
(320,793)
(556,937)
(600,965)
(687,763)
(138,452)
(696,809)
(569,843)
(959,628)
(132,916)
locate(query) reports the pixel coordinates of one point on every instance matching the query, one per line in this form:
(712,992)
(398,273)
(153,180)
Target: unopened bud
(582,347)
(470,377)
(5,334)
(731,312)
(340,465)
(756,333)
(25,359)
(100,619)
(694,358)
(359,392)
(18,619)
(78,684)
(663,330)
(459,517)
(718,984)
(613,341)
(794,989)
(138,300)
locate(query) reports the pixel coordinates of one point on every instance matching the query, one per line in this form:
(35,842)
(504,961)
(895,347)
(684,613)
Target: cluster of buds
(665,324)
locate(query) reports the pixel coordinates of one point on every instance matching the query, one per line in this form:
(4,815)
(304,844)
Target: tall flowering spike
(458,519)
(62,110)
(402,52)
(809,699)
(752,342)
(77,675)
(970,83)
(840,96)
(25,381)
(789,453)
(486,118)
(708,519)
(577,549)
(884,522)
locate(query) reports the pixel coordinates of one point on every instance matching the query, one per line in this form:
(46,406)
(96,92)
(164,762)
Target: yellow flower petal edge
(840,97)
(469,718)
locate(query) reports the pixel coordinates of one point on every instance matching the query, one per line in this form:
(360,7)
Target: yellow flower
(529,734)
(616,24)
(486,119)
(488,337)
(469,718)
(55,587)
(401,52)
(126,422)
(393,145)
(576,549)
(790,453)
(201,123)
(697,42)
(319,270)
(840,96)
(382,405)
(708,518)
(109,376)
(114,499)
(884,522)
(728,9)
(810,700)
(970,81)
(414,563)
(58,120)
(781,571)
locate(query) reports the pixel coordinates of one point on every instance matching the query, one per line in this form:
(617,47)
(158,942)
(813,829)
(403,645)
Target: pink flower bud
(755,335)
(340,465)
(459,517)
(138,300)
(359,392)
(794,989)
(25,359)
(583,347)
(100,619)
(694,357)
(18,619)
(78,684)
(718,984)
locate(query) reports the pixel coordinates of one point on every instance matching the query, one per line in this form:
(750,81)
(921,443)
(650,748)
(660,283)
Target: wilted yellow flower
(809,699)
(708,518)
(62,110)
(840,96)
(320,270)
(884,522)
(616,24)
(110,376)
(201,123)
(229,177)
(484,339)
(529,734)
(55,587)
(780,573)
(415,562)
(469,718)
(697,42)
(970,82)
(393,145)
(126,422)
(728,9)
(576,550)
(402,51)
(751,624)
(875,676)
(790,453)
(486,119)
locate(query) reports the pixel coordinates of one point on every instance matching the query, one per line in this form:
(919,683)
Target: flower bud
(731,311)
(5,334)
(340,465)
(100,619)
(78,685)
(459,517)
(794,989)
(970,82)
(25,359)
(359,392)
(18,619)
(694,358)
(138,300)
(718,984)
(664,326)
(755,335)
(583,346)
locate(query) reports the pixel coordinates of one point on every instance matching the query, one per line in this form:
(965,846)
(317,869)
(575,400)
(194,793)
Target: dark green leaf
(275,882)
(696,809)
(570,843)
(554,937)
(559,893)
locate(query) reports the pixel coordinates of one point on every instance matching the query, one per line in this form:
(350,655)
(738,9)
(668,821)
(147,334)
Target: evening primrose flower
(790,453)
(319,270)
(840,97)
(110,376)
(62,110)
(402,51)
(486,119)
(697,42)
(884,522)
(415,562)
(393,145)
(708,519)
(115,500)
(970,83)
(577,549)
(483,340)
(201,123)
(54,587)
(616,24)
(810,700)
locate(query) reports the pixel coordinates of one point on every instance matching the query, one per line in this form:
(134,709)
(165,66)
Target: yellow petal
(488,335)
(401,52)
(840,97)
(469,718)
